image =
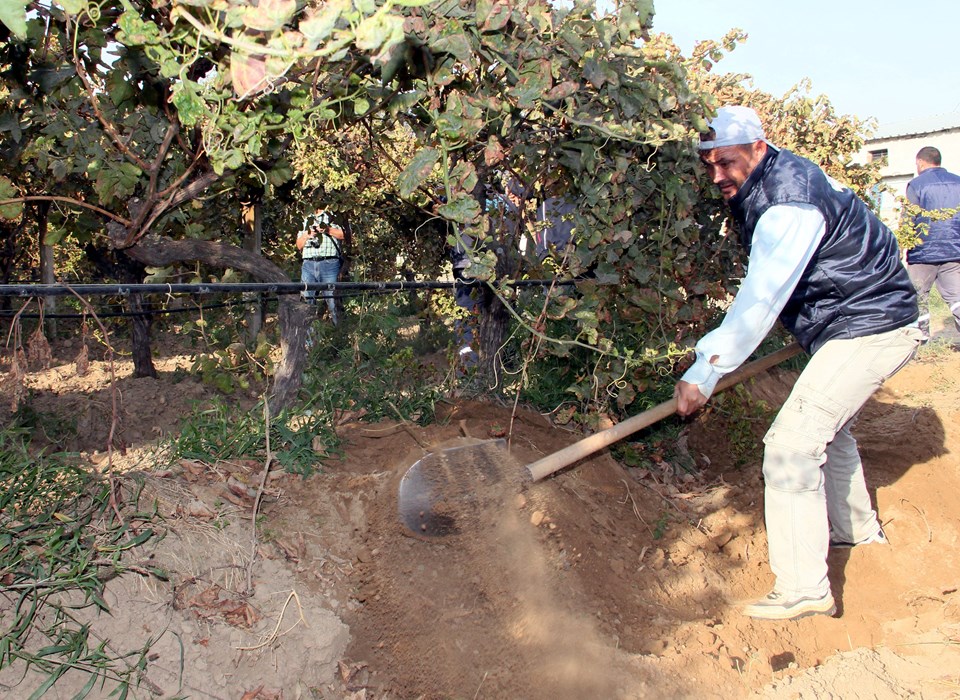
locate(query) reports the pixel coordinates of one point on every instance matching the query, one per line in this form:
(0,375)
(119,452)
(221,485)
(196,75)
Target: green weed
(941,345)
(375,370)
(744,417)
(938,348)
(660,526)
(368,365)
(222,432)
(59,543)
(938,307)
(55,430)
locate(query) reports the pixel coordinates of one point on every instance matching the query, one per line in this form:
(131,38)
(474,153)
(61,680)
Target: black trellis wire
(347,289)
(50,290)
(8,313)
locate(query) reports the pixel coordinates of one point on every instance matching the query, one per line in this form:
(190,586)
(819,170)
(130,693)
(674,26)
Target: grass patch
(938,307)
(366,368)
(374,370)
(943,341)
(59,543)
(44,428)
(936,349)
(222,432)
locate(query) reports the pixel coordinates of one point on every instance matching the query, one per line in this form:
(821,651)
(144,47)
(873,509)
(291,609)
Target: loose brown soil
(599,582)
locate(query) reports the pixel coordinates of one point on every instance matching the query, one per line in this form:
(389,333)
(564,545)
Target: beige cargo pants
(814,483)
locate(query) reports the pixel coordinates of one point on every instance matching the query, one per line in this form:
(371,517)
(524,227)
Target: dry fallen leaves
(195,509)
(341,417)
(192,469)
(261,693)
(238,613)
(292,551)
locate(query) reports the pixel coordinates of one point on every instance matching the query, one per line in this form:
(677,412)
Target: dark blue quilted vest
(855,284)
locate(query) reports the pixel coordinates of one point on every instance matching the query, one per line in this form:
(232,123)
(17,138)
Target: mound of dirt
(601,581)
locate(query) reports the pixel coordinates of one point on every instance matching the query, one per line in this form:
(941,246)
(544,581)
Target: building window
(881,156)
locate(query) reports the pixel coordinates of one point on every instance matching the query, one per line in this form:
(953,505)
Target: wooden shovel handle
(596,442)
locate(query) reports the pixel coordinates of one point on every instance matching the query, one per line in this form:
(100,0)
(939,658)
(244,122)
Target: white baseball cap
(734,126)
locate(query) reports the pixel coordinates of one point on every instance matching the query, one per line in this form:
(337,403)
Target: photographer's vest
(855,284)
(327,247)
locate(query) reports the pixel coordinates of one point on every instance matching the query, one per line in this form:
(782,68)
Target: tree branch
(67,200)
(107,125)
(137,230)
(161,154)
(160,251)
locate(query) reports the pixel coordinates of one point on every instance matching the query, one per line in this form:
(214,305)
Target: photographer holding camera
(321,245)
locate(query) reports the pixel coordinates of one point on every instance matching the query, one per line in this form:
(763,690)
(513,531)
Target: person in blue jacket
(824,264)
(937,257)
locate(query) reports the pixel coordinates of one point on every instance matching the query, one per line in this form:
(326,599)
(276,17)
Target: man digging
(823,263)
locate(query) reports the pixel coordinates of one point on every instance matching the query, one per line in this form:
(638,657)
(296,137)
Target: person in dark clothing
(936,259)
(556,215)
(464,296)
(823,263)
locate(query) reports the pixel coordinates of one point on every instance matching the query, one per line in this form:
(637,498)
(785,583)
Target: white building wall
(902,140)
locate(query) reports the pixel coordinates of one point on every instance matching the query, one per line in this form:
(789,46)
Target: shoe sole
(787,615)
(851,545)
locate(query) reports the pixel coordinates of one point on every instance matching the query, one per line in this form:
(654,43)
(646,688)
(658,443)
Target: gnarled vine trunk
(48,273)
(492,331)
(252,217)
(125,269)
(140,337)
(159,251)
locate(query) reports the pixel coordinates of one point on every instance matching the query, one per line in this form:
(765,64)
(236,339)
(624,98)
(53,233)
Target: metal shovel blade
(446,489)
(460,488)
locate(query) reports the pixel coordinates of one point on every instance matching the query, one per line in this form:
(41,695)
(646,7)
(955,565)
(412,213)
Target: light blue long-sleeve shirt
(785,239)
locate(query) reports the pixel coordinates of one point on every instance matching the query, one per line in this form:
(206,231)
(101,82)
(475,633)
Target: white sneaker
(879,538)
(776,606)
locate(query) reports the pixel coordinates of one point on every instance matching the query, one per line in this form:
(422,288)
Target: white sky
(885,59)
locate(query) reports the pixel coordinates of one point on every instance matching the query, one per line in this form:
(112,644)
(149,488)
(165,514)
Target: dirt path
(599,582)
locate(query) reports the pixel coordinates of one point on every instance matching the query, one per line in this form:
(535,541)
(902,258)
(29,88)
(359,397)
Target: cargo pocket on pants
(807,423)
